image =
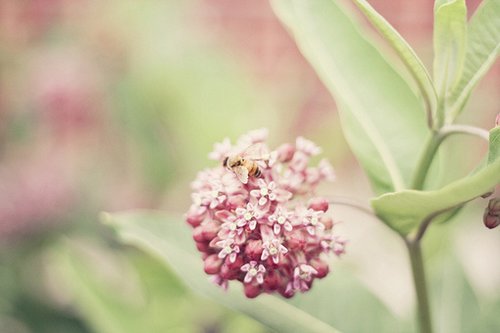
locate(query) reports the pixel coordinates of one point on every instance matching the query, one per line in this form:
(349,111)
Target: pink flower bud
(491,221)
(321,267)
(206,232)
(252,290)
(285,152)
(497,121)
(273,281)
(229,274)
(212,264)
(202,246)
(319,204)
(236,265)
(327,221)
(288,291)
(297,241)
(254,249)
(491,217)
(195,216)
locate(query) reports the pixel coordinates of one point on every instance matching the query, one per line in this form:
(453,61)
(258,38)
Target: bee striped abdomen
(258,173)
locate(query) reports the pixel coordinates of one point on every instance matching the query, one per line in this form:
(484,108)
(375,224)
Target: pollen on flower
(272,232)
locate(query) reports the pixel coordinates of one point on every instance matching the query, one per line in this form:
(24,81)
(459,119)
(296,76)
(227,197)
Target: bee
(244,164)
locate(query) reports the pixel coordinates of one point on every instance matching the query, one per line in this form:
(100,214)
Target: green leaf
(450,33)
(494,150)
(381,117)
(329,303)
(121,301)
(483,47)
(405,210)
(405,52)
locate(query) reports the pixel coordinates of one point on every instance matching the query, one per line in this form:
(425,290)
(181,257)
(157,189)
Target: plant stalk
(432,145)
(418,271)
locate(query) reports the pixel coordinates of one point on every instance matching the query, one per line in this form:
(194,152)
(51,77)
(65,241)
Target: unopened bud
(297,241)
(327,222)
(288,291)
(252,290)
(497,121)
(212,264)
(228,273)
(194,218)
(319,204)
(235,201)
(202,246)
(205,232)
(285,152)
(236,265)
(491,217)
(320,266)
(254,249)
(273,281)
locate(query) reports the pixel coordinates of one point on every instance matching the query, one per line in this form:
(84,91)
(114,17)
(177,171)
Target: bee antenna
(224,163)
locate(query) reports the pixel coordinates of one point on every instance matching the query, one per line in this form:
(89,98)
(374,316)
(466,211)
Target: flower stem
(350,202)
(417,267)
(425,161)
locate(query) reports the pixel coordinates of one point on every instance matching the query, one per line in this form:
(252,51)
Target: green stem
(425,160)
(417,267)
(432,145)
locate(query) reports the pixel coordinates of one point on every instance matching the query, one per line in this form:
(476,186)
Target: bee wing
(256,152)
(242,173)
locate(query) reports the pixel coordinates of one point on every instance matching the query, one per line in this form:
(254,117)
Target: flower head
(271,232)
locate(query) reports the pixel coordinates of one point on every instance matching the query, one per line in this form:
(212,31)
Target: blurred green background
(115,105)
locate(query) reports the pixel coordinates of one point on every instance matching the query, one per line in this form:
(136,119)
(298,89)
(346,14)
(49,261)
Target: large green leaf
(405,210)
(483,47)
(450,32)
(132,304)
(335,301)
(381,117)
(405,52)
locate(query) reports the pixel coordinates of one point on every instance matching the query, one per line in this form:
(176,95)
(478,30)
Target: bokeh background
(111,105)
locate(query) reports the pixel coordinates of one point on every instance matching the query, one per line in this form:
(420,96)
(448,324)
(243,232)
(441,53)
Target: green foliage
(450,33)
(406,210)
(483,47)
(326,306)
(407,55)
(131,294)
(381,117)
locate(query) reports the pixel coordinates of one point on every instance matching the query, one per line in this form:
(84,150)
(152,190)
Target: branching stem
(433,144)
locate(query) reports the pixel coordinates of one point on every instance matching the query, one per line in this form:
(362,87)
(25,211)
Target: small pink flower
(269,192)
(326,170)
(303,276)
(253,137)
(263,233)
(228,247)
(221,150)
(272,246)
(248,216)
(310,219)
(231,227)
(253,271)
(307,147)
(281,218)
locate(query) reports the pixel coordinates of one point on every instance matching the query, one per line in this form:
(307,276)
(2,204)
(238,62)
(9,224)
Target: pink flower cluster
(271,232)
